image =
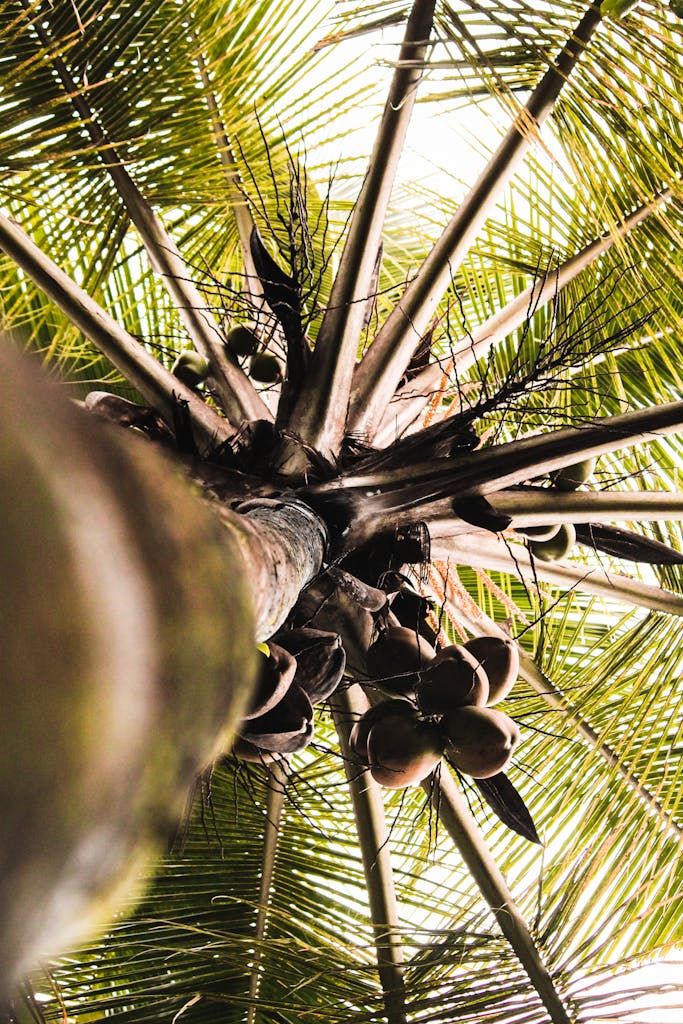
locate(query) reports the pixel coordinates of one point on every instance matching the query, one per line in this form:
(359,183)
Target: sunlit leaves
(608,883)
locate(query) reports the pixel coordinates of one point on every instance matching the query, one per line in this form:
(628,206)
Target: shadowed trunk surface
(128,614)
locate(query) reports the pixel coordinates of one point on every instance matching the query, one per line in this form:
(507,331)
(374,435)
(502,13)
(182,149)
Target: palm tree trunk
(128,617)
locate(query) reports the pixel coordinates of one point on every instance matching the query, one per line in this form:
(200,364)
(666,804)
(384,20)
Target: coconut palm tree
(346,403)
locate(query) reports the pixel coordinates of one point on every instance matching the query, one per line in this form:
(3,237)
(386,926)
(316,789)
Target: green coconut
(571,477)
(544,532)
(190,368)
(242,340)
(557,547)
(265,368)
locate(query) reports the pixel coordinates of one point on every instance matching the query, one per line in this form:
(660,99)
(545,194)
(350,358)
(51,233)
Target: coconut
(190,368)
(358,739)
(265,368)
(544,532)
(396,659)
(481,741)
(571,477)
(453,679)
(500,660)
(246,751)
(403,752)
(242,340)
(557,547)
(320,660)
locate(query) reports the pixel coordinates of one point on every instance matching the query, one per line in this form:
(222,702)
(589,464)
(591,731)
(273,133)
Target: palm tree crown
(422,372)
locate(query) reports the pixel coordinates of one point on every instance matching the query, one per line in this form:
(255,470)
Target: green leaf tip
(617,8)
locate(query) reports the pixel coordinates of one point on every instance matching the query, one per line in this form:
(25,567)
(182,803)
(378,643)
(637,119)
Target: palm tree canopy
(284,891)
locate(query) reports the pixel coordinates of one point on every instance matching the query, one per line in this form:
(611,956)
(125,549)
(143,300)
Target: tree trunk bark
(128,616)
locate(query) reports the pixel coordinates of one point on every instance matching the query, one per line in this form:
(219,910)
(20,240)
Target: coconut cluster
(301,668)
(242,341)
(554,541)
(436,703)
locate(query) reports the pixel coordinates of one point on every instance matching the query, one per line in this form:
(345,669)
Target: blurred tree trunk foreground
(128,612)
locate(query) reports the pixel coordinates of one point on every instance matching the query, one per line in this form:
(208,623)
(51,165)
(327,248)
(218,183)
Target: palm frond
(373,838)
(155,383)
(320,417)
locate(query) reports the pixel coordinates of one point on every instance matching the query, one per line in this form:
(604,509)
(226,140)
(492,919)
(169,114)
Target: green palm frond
(154,127)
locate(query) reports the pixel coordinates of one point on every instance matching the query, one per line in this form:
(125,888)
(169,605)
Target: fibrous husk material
(287,728)
(276,673)
(320,660)
(246,751)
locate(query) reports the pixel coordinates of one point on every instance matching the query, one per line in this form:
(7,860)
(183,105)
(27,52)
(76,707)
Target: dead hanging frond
(294,217)
(282,294)
(440,440)
(291,252)
(574,338)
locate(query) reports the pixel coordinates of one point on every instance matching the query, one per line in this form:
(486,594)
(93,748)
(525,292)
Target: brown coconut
(358,738)
(500,660)
(404,752)
(396,659)
(455,678)
(481,741)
